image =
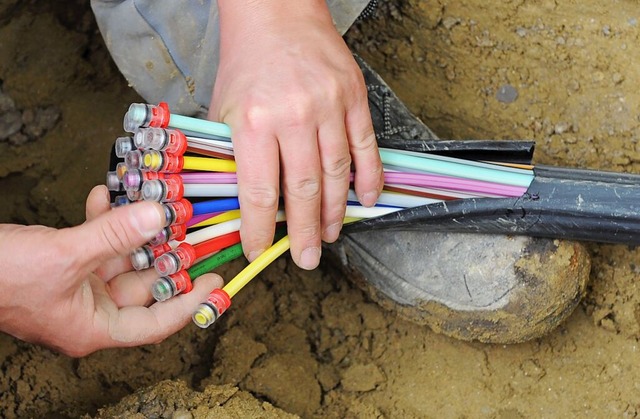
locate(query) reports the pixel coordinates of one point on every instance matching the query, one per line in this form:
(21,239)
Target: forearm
(258,18)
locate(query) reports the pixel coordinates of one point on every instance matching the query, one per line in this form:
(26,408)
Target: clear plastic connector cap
(153,190)
(141,258)
(123,146)
(161,238)
(113,182)
(152,160)
(132,180)
(150,138)
(167,264)
(134,195)
(163,289)
(121,169)
(205,315)
(133,159)
(169,214)
(138,115)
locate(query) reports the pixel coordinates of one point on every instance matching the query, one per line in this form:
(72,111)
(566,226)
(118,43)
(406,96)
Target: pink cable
(424,180)
(452,183)
(209,177)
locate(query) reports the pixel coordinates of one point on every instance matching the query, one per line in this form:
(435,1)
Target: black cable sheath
(512,151)
(560,203)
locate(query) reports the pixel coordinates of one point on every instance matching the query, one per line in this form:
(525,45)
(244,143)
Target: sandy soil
(312,344)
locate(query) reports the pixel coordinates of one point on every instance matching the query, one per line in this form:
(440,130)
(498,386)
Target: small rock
(506,94)
(182,414)
(617,78)
(561,127)
(39,121)
(10,123)
(6,103)
(449,22)
(18,139)
(573,85)
(531,368)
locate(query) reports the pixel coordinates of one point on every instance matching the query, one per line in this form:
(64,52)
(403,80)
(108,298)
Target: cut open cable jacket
(560,203)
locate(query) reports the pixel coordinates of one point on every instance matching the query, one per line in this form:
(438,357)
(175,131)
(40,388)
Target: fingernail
(310,258)
(147,219)
(254,254)
(369,199)
(332,232)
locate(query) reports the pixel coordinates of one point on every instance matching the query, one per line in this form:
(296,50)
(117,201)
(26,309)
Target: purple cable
(200,218)
(209,177)
(452,183)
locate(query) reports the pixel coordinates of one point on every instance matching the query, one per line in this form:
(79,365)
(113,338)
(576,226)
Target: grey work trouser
(168,50)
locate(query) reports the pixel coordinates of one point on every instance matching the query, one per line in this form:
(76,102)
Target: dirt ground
(311,343)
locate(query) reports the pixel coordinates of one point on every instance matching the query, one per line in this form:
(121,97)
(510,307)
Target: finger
(97,202)
(132,288)
(115,233)
(110,269)
(369,177)
(135,325)
(336,167)
(302,188)
(258,190)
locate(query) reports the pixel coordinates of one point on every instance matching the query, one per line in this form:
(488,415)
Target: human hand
(297,105)
(73,289)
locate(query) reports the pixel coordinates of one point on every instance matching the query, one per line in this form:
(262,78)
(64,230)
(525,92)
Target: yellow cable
(209,164)
(255,267)
(220,218)
(349,220)
(261,262)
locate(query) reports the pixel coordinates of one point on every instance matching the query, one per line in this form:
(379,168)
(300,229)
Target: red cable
(215,244)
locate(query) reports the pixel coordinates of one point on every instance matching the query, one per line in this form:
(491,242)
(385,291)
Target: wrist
(259,17)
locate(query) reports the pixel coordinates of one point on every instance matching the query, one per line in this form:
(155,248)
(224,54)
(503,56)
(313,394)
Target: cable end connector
(209,311)
(145,115)
(169,286)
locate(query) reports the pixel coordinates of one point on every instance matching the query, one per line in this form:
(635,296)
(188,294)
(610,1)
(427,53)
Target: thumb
(119,231)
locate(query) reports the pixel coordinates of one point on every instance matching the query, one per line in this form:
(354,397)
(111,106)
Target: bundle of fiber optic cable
(187,165)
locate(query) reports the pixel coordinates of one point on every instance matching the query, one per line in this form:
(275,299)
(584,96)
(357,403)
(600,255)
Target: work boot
(490,288)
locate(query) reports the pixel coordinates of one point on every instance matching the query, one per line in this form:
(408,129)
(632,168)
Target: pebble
(10,123)
(40,120)
(507,94)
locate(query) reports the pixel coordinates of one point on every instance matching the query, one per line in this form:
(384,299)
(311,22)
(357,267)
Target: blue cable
(216,205)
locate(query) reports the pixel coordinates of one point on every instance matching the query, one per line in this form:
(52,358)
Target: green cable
(224,256)
(215,261)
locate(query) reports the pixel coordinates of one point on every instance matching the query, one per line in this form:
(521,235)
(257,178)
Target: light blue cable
(202,126)
(457,168)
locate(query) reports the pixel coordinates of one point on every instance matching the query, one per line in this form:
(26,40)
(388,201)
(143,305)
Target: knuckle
(301,114)
(256,115)
(305,189)
(365,143)
(338,168)
(115,237)
(261,197)
(307,231)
